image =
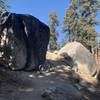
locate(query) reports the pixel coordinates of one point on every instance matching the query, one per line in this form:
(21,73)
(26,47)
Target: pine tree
(53,23)
(3,5)
(5,50)
(80,20)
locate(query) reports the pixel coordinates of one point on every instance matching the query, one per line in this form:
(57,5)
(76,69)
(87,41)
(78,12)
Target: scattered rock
(92,88)
(67,92)
(78,86)
(76,78)
(83,83)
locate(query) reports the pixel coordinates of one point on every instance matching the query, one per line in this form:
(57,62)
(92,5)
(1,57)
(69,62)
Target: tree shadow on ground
(32,83)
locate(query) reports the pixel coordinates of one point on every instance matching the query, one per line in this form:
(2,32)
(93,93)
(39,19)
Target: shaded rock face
(78,56)
(29,38)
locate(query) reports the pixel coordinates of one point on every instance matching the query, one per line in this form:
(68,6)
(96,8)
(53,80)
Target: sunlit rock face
(26,40)
(76,55)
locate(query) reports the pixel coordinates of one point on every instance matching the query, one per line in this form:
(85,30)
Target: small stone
(78,87)
(46,93)
(76,78)
(84,83)
(92,88)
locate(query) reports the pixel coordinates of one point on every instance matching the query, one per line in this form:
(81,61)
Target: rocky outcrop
(76,55)
(27,36)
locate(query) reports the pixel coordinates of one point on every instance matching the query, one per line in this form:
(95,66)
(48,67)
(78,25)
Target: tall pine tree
(3,5)
(53,23)
(80,20)
(5,50)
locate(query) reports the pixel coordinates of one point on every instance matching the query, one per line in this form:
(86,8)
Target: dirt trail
(21,85)
(29,86)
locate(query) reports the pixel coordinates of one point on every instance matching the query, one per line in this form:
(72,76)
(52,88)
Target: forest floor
(21,85)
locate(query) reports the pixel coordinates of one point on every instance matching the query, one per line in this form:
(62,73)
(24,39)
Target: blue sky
(39,8)
(42,8)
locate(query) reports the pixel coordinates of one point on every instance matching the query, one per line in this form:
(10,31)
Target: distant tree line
(79,22)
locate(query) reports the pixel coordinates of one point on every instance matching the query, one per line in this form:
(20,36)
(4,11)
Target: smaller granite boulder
(76,55)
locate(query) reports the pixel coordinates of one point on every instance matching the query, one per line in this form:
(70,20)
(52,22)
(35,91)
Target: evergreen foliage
(80,20)
(3,5)
(53,23)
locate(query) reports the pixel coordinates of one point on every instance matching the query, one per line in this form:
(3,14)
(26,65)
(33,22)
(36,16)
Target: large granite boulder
(76,55)
(27,37)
